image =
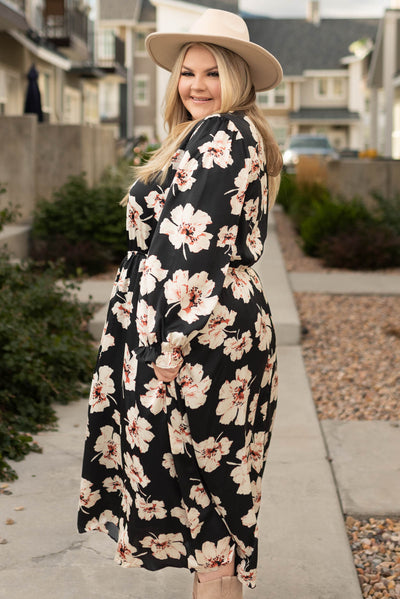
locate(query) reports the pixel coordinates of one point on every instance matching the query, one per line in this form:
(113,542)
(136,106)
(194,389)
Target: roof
(300,45)
(147,12)
(324,114)
(231,5)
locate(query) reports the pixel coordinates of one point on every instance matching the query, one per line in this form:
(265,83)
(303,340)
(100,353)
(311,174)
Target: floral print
(172,471)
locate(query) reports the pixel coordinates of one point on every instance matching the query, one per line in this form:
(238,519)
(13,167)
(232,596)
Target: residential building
(127,99)
(384,81)
(325,64)
(55,36)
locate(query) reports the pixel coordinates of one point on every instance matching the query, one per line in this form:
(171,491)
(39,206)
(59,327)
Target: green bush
(84,227)
(8,214)
(329,218)
(367,246)
(299,201)
(46,354)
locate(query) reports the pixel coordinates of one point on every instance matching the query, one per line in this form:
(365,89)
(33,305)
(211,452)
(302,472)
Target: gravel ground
(376,551)
(349,347)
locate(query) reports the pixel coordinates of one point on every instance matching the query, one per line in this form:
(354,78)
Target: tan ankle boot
(226,587)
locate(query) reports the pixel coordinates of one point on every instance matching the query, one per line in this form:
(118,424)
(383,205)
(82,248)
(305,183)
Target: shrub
(46,354)
(369,246)
(8,214)
(329,218)
(388,211)
(85,227)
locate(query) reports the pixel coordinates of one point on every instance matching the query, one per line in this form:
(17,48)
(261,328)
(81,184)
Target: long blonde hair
(237,94)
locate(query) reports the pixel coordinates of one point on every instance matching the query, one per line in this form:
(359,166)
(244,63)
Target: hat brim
(265,70)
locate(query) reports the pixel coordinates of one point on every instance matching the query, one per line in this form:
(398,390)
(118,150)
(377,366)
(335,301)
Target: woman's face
(199,85)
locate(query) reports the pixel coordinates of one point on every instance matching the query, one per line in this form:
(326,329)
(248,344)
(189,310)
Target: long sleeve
(183,273)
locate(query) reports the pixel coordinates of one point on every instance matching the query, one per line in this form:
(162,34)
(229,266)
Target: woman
(184,392)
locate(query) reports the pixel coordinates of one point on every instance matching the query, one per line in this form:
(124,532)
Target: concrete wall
(36,159)
(350,178)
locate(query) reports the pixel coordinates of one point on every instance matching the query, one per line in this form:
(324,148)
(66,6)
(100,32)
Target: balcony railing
(61,27)
(109,50)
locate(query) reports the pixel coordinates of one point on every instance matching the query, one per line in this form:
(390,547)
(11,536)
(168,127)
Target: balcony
(12,15)
(110,53)
(67,28)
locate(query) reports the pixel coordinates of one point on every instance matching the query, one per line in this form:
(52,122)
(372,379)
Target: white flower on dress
(169,464)
(263,328)
(189,518)
(148,509)
(241,185)
(156,201)
(164,546)
(264,193)
(232,127)
(138,430)
(125,551)
(227,238)
(179,432)
(218,506)
(252,410)
(256,453)
(217,151)
(214,332)
(247,576)
(123,310)
(269,369)
(107,341)
(183,177)
(192,294)
(126,501)
(145,322)
(250,519)
(254,243)
(255,163)
(137,228)
(215,555)
(88,497)
(240,281)
(199,495)
(151,273)
(156,397)
(100,522)
(112,485)
(134,471)
(129,369)
(241,472)
(122,282)
(251,210)
(193,386)
(187,227)
(209,452)
(235,347)
(233,397)
(108,444)
(101,390)
(256,493)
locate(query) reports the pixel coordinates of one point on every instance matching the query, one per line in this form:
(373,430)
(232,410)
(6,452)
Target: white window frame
(330,87)
(268,99)
(138,81)
(140,51)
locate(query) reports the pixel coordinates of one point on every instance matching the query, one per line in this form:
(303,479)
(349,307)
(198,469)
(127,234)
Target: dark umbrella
(33,103)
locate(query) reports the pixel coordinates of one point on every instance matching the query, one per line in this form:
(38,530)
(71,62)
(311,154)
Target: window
(141,90)
(330,87)
(276,98)
(322,87)
(140,42)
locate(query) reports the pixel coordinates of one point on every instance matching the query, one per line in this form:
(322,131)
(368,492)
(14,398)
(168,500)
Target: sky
(329,8)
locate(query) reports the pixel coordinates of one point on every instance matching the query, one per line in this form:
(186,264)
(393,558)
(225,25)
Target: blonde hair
(237,94)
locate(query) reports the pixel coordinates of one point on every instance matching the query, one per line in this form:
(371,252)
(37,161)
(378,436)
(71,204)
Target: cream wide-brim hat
(221,28)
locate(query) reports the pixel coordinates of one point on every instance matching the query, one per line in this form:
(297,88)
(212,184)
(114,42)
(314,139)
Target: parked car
(307,145)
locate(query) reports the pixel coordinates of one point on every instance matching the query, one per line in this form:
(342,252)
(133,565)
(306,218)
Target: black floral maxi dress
(172,471)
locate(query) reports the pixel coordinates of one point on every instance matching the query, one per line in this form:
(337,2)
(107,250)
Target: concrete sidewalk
(304,552)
